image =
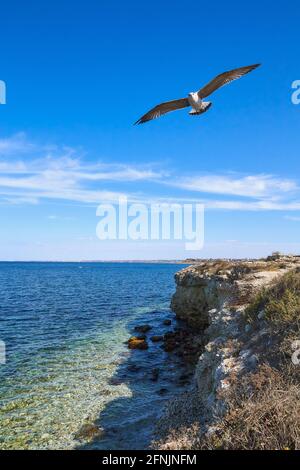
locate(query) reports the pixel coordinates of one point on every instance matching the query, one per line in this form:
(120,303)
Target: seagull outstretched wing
(163,108)
(224,79)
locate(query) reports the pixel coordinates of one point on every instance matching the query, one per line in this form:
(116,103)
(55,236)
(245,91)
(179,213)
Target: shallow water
(64,325)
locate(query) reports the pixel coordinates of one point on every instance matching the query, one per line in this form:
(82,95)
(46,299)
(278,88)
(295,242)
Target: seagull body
(198,106)
(195,99)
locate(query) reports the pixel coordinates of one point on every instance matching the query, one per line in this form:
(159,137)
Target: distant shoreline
(188,261)
(103,261)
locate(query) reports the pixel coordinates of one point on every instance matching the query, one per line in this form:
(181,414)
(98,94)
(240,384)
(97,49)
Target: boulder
(156,338)
(136,342)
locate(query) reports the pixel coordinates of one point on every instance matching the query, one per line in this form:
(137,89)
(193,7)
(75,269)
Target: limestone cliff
(211,297)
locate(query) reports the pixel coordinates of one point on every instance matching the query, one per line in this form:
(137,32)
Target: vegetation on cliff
(280,302)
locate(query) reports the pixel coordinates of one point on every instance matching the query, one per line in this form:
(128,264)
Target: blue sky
(78,74)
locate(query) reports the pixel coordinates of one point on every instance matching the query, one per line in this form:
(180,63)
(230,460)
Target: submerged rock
(162,391)
(143,328)
(89,431)
(133,368)
(167,322)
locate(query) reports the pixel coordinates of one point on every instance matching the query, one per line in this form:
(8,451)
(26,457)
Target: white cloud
(252,186)
(60,173)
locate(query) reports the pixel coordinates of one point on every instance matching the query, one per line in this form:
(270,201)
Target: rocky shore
(228,346)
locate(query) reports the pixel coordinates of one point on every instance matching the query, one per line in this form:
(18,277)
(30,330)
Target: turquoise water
(64,326)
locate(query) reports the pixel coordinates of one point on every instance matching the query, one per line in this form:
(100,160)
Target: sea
(67,370)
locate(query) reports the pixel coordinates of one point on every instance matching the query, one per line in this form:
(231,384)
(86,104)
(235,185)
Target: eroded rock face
(222,359)
(196,293)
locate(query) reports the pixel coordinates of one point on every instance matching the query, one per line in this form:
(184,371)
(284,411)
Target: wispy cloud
(261,205)
(16,143)
(253,186)
(248,192)
(30,172)
(60,173)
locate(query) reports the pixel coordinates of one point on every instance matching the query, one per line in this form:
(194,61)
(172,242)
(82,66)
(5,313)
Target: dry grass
(280,302)
(219,266)
(264,413)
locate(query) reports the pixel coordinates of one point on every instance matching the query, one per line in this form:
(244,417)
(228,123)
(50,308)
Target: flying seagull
(195,99)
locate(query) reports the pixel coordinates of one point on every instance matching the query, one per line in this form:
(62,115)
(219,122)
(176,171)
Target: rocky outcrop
(211,297)
(214,284)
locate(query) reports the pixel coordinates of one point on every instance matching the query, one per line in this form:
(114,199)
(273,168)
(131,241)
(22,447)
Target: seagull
(195,99)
